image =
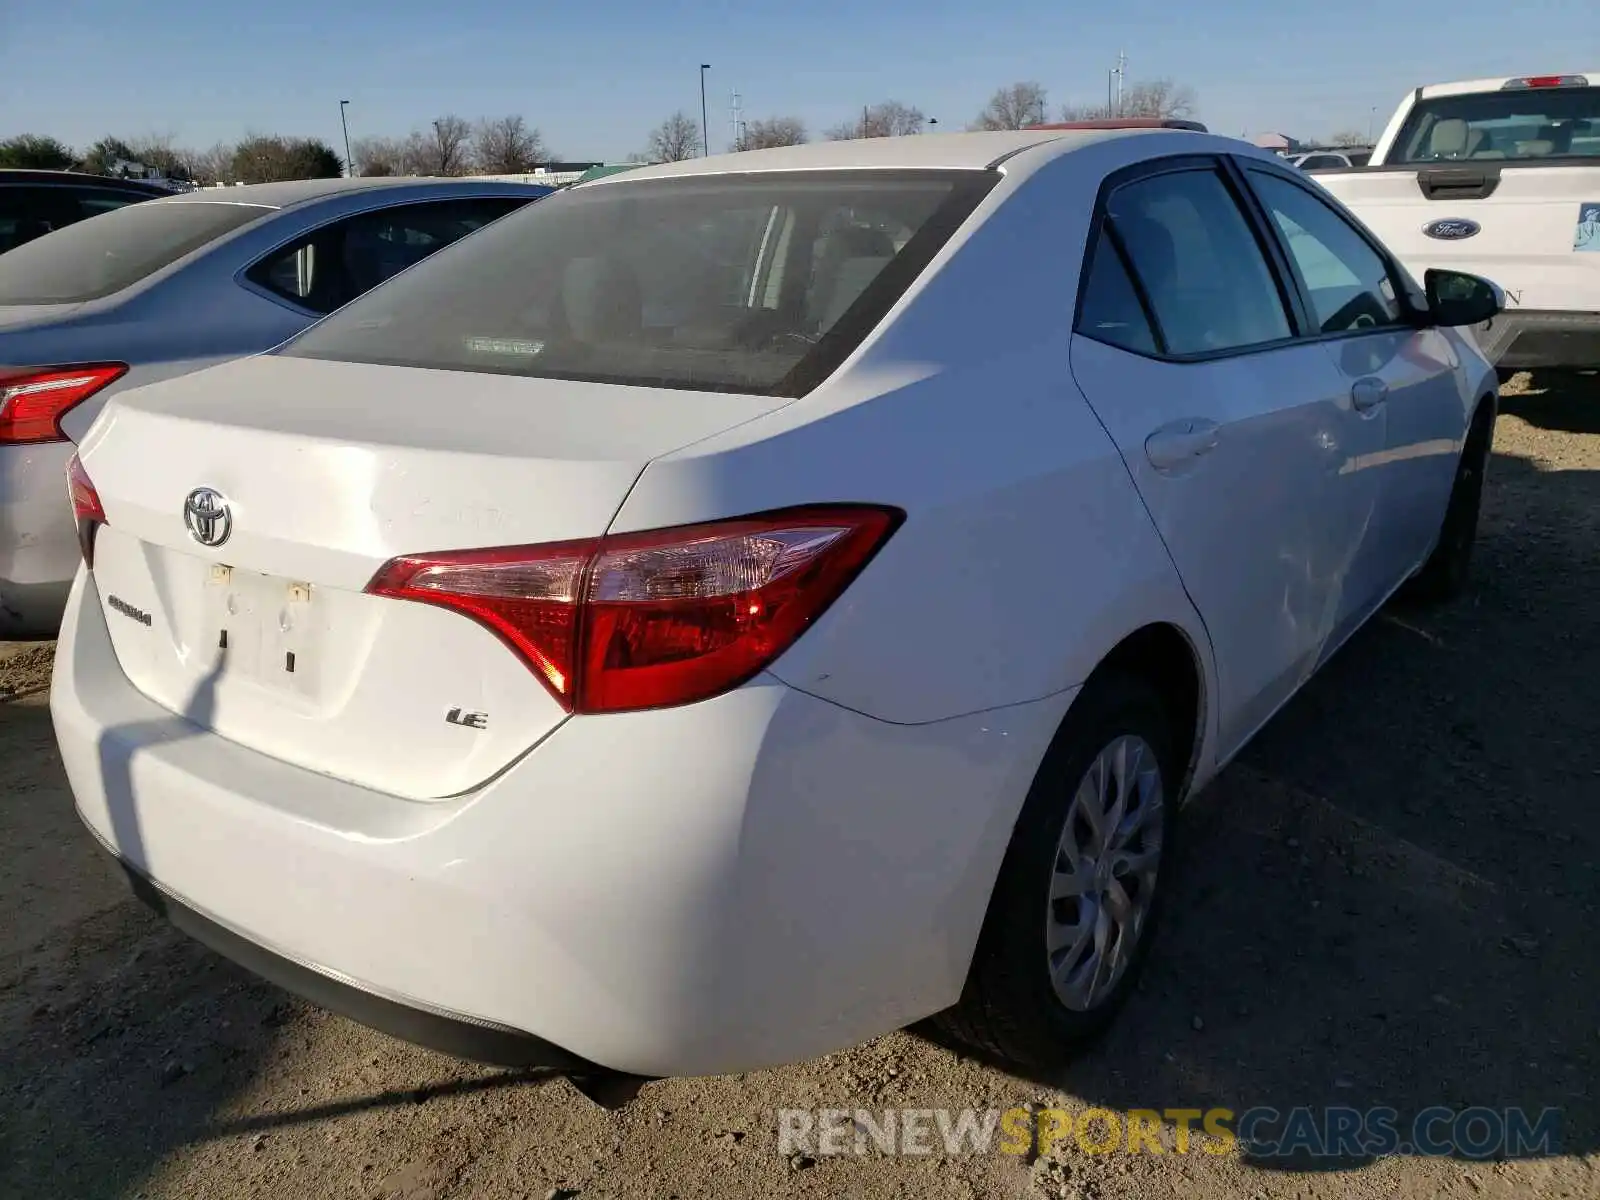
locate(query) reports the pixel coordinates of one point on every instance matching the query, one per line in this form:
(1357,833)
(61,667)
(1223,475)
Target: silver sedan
(163,288)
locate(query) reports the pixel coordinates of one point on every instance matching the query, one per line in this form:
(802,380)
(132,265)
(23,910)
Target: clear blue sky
(595,77)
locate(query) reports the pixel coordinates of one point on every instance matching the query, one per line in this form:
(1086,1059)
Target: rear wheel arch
(1152,685)
(1165,657)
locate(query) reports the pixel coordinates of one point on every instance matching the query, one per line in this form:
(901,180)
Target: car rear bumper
(38,542)
(753,880)
(1519,340)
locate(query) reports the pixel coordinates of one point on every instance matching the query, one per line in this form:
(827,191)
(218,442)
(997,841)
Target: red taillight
(1544,80)
(33,402)
(648,620)
(87,510)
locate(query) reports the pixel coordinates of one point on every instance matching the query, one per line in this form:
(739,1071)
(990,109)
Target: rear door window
(1206,277)
(333,265)
(1111,310)
(757,283)
(90,259)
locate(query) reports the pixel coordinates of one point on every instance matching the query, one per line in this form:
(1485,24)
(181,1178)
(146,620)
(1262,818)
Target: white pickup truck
(1500,178)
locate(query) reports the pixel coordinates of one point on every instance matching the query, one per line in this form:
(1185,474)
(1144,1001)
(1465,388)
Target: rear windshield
(1517,125)
(104,254)
(746,283)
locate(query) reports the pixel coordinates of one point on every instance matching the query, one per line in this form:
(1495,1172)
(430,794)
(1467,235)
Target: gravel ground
(1389,900)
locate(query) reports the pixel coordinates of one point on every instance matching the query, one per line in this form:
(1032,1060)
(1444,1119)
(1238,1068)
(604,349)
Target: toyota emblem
(206,514)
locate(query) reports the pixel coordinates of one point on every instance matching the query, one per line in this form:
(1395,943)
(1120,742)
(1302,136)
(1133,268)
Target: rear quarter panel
(1026,554)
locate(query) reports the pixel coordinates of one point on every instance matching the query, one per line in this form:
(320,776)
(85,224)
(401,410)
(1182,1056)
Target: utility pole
(349,166)
(736,118)
(1122,77)
(705,128)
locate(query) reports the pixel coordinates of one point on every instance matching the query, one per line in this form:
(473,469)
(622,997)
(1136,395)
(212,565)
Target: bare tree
(506,146)
(675,139)
(889,119)
(214,165)
(157,150)
(1152,98)
(1348,137)
(778,131)
(378,156)
(448,149)
(1014,107)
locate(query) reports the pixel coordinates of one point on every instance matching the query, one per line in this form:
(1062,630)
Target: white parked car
(733,609)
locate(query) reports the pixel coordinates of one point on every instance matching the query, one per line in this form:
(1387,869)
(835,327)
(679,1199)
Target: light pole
(349,167)
(1372,115)
(705,130)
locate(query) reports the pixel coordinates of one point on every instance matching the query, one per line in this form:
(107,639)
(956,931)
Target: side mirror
(1456,298)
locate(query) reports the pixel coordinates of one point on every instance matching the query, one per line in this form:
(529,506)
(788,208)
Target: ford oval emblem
(1451,229)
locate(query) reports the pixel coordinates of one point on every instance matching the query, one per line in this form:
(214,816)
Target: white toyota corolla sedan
(736,608)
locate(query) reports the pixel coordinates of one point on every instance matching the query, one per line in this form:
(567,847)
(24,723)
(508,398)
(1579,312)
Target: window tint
(1348,282)
(734,283)
(1201,267)
(1518,125)
(90,259)
(333,265)
(1111,309)
(94,203)
(30,212)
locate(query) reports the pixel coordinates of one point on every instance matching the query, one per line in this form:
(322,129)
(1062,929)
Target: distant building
(1281,142)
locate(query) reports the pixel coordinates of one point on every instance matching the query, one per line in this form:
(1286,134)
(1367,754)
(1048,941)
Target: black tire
(1444,576)
(1009,1009)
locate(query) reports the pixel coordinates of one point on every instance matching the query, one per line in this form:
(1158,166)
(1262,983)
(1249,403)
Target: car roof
(302,191)
(923,151)
(14,175)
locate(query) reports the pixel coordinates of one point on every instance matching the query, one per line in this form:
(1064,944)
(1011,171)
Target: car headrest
(1448,137)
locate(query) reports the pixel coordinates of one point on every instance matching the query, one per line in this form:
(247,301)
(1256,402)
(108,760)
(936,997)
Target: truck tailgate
(1526,233)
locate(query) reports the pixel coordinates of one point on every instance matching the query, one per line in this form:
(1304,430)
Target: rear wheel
(1078,898)
(1444,576)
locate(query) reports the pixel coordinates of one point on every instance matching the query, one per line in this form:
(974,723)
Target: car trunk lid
(327,470)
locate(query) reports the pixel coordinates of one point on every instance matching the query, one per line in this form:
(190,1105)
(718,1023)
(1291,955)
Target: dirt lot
(1390,900)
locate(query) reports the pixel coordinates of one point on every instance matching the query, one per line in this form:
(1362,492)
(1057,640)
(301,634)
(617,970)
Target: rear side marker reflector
(650,620)
(32,402)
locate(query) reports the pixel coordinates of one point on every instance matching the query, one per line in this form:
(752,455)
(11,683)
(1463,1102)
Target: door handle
(1367,394)
(1181,442)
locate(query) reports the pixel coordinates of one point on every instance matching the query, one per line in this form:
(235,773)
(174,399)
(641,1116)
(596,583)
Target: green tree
(268,158)
(37,152)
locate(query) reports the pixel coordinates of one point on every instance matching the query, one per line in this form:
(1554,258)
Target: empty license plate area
(263,628)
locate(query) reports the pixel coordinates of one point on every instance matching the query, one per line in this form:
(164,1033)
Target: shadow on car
(1389,900)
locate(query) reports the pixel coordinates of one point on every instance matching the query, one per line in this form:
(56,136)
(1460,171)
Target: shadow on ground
(1563,402)
(1390,899)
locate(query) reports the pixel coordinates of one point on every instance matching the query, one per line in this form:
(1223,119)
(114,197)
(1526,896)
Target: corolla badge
(1451,229)
(207,516)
